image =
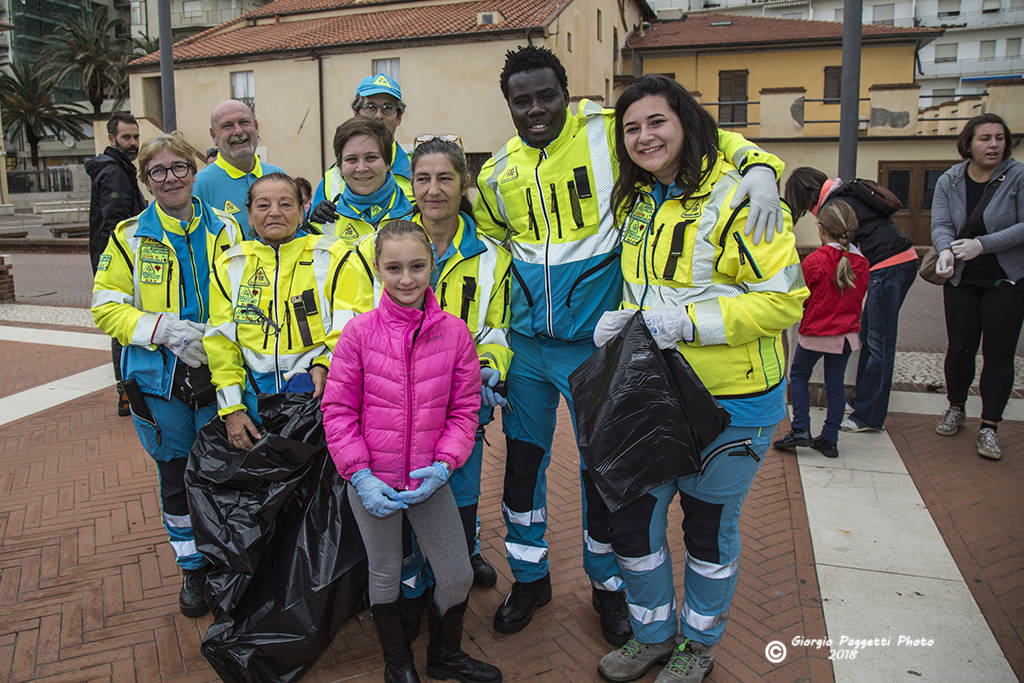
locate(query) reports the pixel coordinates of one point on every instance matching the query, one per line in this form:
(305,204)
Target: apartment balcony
(966,21)
(966,68)
(206,17)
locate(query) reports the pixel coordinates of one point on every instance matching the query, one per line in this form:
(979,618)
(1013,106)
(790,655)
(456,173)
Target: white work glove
(183,338)
(967,249)
(764,218)
(668,326)
(944,264)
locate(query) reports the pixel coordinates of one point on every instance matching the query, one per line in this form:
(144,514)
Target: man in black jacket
(115,197)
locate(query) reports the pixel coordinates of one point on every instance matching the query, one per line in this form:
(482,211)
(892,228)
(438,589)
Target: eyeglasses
(449,138)
(158,174)
(387,110)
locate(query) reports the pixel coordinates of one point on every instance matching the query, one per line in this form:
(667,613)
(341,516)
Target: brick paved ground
(978,509)
(88,586)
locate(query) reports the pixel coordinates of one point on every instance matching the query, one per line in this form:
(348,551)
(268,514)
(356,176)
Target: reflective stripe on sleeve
(702,622)
(644,563)
(647,615)
(710,570)
(528,518)
(525,553)
(229,396)
(786,280)
(264,362)
(228,330)
(142,335)
(500,163)
(341,318)
(709,322)
(109,296)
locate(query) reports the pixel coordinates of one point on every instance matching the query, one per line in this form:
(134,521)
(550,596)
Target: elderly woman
(363,148)
(978,232)
(723,302)
(152,294)
(272,303)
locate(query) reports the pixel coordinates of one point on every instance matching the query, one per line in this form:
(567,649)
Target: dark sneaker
(796,437)
(952,420)
(826,448)
(611,605)
(517,610)
(634,659)
(192,598)
(691,662)
(987,444)
(483,573)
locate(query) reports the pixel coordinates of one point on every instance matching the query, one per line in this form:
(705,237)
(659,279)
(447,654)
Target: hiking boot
(517,610)
(483,573)
(796,437)
(634,659)
(987,444)
(952,420)
(850,425)
(611,605)
(691,662)
(192,598)
(826,448)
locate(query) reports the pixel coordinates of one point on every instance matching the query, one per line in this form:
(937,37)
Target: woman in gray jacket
(982,252)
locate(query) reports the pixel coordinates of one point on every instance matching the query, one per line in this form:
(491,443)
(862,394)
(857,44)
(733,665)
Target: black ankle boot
(398,662)
(445,658)
(192,597)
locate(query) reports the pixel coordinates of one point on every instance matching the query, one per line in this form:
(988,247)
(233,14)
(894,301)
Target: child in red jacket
(400,413)
(837,275)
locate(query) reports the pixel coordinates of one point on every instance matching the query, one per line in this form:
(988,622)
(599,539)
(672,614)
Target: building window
(949,8)
(833,84)
(243,88)
(945,53)
(732,96)
(838,15)
(607,92)
(1016,4)
(386,66)
(987,51)
(192,8)
(883,14)
(489,17)
(599,29)
(940,95)
(137,17)
(989,6)
(1013,47)
(568,40)
(615,45)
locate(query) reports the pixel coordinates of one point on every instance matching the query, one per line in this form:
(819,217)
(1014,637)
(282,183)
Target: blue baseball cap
(381,83)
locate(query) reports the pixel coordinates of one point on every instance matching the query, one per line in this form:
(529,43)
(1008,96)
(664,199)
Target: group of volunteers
(414,315)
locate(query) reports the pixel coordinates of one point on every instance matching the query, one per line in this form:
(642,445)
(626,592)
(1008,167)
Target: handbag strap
(974,220)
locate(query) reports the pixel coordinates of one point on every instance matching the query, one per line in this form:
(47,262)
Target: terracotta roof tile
(697,30)
(238,38)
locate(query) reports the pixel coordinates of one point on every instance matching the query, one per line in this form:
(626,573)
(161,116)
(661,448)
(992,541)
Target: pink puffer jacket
(403,392)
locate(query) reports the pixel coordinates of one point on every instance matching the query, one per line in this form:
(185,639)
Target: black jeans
(991,316)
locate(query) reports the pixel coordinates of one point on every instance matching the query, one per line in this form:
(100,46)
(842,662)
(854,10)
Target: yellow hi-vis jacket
(272,314)
(740,296)
(473,285)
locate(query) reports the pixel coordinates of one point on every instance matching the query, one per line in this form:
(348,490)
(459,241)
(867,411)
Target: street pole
(170,119)
(849,108)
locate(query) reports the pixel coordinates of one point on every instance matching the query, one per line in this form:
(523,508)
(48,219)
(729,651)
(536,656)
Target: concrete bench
(70,230)
(43,207)
(68,215)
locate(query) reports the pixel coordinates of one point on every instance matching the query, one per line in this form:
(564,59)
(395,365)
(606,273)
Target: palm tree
(85,45)
(28,107)
(145,44)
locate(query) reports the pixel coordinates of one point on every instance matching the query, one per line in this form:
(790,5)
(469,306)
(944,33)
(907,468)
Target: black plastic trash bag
(642,415)
(288,563)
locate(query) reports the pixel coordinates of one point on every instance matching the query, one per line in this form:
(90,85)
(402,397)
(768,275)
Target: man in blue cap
(377,97)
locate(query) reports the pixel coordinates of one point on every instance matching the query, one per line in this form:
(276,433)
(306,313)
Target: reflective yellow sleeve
(353,288)
(113,307)
(485,208)
(743,154)
(221,343)
(493,348)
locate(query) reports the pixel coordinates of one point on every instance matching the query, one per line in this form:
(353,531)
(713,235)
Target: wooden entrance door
(914,183)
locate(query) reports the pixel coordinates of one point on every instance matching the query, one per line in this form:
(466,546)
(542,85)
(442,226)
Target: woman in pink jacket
(400,412)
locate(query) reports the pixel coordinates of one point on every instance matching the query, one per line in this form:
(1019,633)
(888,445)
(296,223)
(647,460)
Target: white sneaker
(952,420)
(850,425)
(987,444)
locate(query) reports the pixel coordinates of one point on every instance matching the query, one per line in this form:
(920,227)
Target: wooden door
(914,183)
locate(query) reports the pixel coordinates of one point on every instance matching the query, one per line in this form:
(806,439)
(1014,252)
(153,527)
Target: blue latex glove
(489,378)
(434,477)
(379,499)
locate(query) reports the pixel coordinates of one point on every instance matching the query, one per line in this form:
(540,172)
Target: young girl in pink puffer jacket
(400,411)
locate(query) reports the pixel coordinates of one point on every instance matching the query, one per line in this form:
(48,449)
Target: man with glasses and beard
(224,184)
(115,197)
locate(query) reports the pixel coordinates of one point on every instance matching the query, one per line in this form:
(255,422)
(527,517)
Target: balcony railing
(970,20)
(209,17)
(973,67)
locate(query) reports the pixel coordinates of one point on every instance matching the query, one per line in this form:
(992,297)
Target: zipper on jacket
(195,280)
(727,229)
(533,218)
(590,271)
(574,204)
(741,445)
(554,209)
(288,322)
(277,319)
(170,276)
(657,236)
(522,285)
(408,402)
(547,245)
(744,251)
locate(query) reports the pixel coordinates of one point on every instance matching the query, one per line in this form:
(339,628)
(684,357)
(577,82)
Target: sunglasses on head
(423,139)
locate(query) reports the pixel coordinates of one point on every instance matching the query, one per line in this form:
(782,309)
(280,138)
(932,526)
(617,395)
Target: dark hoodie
(115,197)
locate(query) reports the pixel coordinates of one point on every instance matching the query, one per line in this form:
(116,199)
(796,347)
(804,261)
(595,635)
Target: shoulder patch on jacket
(104,263)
